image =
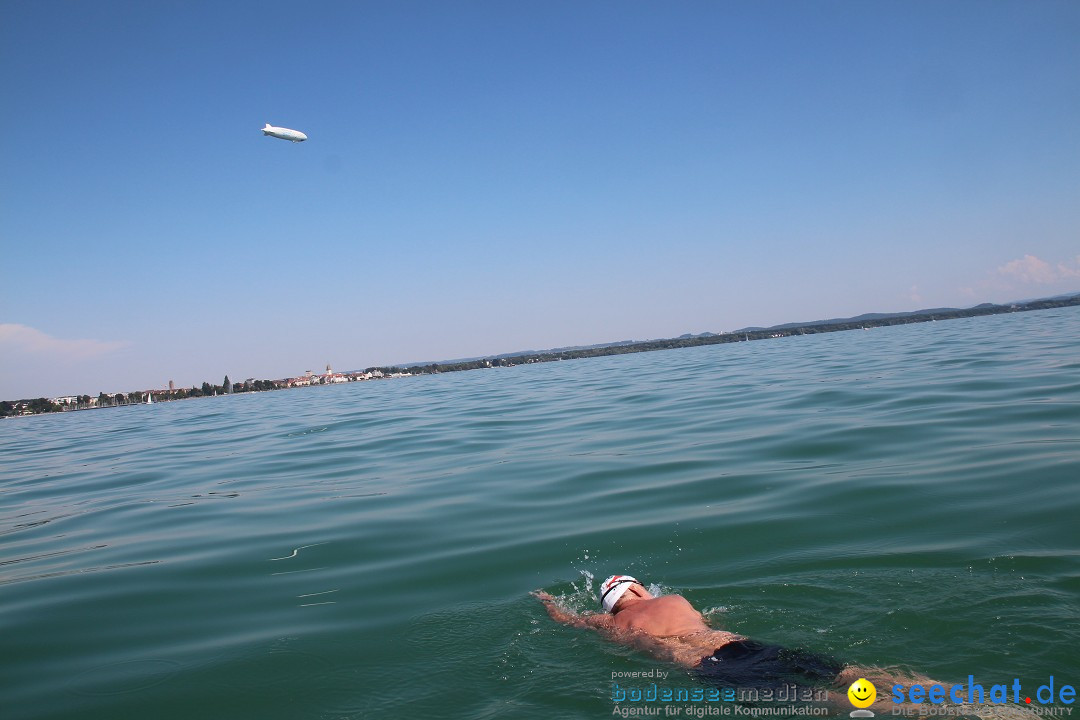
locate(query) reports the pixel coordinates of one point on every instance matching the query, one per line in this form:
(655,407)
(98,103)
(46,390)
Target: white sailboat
(149,397)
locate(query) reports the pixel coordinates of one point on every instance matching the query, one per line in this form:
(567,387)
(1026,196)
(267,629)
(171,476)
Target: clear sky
(486,177)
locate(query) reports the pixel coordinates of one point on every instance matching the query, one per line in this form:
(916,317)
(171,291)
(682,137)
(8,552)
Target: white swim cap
(613,588)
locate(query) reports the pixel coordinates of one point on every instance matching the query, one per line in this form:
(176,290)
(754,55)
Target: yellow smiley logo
(862,693)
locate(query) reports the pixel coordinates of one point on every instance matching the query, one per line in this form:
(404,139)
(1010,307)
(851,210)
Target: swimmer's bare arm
(567,617)
(603,623)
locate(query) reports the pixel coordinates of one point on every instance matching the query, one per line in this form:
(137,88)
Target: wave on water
(898,497)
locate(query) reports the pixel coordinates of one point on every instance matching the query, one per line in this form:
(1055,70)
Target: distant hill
(522,353)
(865,317)
(1066,296)
(747,333)
(552,351)
(929,312)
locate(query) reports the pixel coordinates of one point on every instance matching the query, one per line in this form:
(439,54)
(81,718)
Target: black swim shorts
(749,664)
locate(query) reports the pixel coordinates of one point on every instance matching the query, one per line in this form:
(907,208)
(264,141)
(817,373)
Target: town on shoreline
(37,406)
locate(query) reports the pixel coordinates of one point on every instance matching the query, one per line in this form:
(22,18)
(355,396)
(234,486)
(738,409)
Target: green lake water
(902,496)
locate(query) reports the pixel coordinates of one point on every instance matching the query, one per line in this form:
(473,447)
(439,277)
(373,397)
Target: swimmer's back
(664,616)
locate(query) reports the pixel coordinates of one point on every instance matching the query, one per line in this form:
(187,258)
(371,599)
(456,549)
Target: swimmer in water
(670,629)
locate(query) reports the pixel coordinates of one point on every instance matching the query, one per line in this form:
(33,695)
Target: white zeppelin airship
(284,133)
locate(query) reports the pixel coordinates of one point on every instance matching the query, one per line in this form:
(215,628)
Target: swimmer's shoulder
(673,602)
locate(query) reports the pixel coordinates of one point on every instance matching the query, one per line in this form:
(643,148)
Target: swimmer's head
(612,589)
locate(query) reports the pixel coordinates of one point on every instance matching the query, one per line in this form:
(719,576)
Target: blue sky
(485,177)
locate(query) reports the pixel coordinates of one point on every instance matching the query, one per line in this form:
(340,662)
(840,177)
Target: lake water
(902,496)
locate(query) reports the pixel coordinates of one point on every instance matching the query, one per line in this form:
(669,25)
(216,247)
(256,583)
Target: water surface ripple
(902,496)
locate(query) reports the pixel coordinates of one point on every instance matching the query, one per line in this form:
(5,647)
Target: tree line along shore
(36,406)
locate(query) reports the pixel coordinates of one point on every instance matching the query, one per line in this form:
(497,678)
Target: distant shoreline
(40,406)
(776,331)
